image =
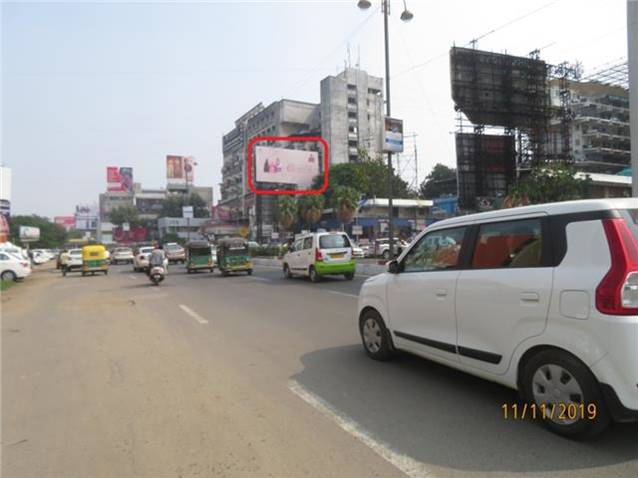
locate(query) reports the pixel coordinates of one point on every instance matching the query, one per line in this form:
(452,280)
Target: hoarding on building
(5,209)
(286,166)
(180,170)
(149,205)
(67,222)
(119,179)
(393,135)
(130,234)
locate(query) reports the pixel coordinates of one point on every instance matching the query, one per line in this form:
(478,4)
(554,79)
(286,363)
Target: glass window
(509,244)
(298,245)
(333,241)
(4,257)
(307,243)
(437,250)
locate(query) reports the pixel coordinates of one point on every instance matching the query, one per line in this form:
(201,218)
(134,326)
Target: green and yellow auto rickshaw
(233,255)
(94,260)
(199,256)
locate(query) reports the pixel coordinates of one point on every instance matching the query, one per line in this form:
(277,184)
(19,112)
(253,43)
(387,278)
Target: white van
(318,254)
(542,299)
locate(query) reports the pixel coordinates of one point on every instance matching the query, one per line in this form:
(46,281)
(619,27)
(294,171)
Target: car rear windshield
(75,252)
(123,249)
(173,247)
(146,250)
(333,241)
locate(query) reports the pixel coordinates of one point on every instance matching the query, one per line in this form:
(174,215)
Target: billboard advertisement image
(286,166)
(179,170)
(29,234)
(393,135)
(119,179)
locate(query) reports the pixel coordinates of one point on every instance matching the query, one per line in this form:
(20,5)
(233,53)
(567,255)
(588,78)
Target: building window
(352,114)
(352,100)
(352,87)
(352,143)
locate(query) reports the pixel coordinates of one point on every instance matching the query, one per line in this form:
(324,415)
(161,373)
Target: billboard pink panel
(285,166)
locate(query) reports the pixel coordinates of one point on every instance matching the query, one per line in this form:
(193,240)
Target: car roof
(552,209)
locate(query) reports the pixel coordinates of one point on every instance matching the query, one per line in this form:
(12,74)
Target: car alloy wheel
(375,336)
(372,338)
(9,276)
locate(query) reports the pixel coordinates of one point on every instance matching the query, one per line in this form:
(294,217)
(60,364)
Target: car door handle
(530,297)
(440,293)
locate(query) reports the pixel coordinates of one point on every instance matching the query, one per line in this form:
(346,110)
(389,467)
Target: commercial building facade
(349,118)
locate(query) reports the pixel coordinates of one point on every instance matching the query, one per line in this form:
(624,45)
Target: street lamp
(406,16)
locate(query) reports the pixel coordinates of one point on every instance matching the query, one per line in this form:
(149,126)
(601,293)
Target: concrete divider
(366,268)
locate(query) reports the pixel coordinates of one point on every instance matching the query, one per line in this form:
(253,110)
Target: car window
(4,257)
(307,243)
(508,244)
(298,245)
(75,252)
(333,241)
(146,250)
(437,250)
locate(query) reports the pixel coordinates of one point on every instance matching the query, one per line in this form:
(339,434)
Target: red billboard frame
(314,139)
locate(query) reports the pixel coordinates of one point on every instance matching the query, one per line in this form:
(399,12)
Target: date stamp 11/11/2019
(549,411)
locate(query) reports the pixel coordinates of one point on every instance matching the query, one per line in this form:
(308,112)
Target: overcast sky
(86,85)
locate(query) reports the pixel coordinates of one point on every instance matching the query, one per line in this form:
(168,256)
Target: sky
(88,84)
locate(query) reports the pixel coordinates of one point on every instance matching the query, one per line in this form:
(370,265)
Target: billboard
(180,170)
(67,222)
(133,234)
(286,166)
(393,135)
(29,234)
(86,217)
(119,179)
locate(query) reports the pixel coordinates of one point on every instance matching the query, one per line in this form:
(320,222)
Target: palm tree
(287,208)
(345,202)
(311,208)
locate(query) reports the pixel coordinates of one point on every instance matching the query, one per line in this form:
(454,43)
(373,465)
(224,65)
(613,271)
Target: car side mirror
(393,267)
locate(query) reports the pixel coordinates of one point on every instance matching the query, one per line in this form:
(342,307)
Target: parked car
(122,255)
(175,253)
(357,252)
(12,267)
(318,254)
(542,299)
(382,247)
(140,258)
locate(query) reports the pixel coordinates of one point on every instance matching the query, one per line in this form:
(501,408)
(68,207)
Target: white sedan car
(140,259)
(12,267)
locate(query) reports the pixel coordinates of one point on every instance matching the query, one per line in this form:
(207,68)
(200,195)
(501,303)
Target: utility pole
(632,58)
(386,5)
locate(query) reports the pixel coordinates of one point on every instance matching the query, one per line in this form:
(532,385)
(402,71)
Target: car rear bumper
(325,268)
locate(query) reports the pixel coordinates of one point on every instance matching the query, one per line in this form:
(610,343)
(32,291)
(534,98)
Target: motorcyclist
(157,259)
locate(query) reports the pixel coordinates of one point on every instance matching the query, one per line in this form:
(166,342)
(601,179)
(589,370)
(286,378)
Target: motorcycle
(157,274)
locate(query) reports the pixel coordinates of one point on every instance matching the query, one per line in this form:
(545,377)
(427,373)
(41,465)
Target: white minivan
(542,299)
(318,254)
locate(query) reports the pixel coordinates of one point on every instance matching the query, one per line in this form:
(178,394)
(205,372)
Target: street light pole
(406,16)
(388,114)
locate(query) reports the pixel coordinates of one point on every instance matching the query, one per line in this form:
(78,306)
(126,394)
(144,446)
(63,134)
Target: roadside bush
(265,251)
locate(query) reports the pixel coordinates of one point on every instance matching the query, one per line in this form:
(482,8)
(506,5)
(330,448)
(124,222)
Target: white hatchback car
(140,259)
(542,299)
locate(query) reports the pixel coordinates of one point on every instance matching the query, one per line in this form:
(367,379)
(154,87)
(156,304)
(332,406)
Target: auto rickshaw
(94,259)
(199,256)
(233,254)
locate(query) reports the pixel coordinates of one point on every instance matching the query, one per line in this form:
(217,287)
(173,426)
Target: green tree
(550,182)
(121,214)
(345,201)
(368,176)
(51,235)
(441,181)
(172,206)
(311,208)
(287,209)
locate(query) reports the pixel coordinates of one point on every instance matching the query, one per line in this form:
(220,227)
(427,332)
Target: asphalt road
(204,376)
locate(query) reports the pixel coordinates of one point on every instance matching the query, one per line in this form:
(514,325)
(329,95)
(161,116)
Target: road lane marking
(341,293)
(261,279)
(193,314)
(406,464)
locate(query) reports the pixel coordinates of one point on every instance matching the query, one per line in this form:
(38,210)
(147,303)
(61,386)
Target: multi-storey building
(352,114)
(349,118)
(599,129)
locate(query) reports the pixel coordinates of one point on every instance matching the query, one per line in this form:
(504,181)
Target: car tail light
(24,264)
(318,255)
(617,293)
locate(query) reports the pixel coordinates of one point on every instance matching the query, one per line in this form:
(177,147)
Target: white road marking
(341,293)
(193,314)
(261,279)
(132,276)
(406,464)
